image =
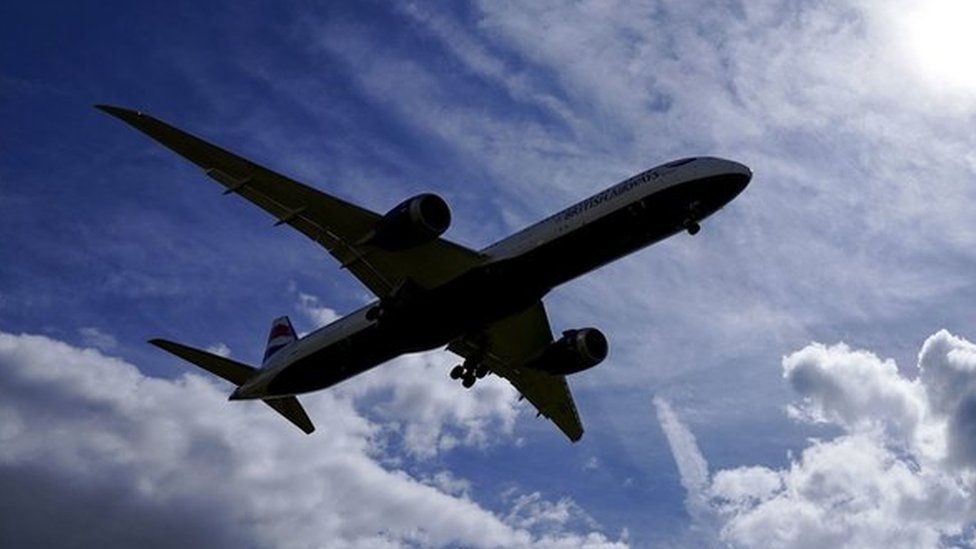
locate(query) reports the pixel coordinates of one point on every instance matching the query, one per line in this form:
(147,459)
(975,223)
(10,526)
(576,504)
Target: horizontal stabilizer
(231,370)
(293,412)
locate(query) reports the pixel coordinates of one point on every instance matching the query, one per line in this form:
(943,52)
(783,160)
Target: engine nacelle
(411,223)
(576,351)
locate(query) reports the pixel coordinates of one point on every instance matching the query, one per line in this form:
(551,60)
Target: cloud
(533,512)
(899,475)
(126,459)
(93,337)
(319,315)
(947,367)
(220,349)
(854,389)
(433,411)
(692,467)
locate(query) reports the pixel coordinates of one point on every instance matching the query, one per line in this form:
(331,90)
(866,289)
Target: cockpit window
(677,163)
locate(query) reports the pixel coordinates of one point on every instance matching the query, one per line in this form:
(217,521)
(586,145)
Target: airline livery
(485,306)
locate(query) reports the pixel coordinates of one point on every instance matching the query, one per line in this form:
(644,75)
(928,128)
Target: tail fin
(282,333)
(238,374)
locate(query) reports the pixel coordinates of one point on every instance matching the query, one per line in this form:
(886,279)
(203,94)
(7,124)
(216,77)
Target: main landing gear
(689,224)
(469,372)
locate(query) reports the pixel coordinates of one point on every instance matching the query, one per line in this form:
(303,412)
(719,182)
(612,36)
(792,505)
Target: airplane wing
(505,347)
(336,225)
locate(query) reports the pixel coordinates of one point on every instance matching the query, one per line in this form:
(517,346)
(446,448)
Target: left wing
(506,346)
(335,224)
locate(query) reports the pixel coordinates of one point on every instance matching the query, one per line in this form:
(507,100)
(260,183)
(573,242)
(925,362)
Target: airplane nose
(740,176)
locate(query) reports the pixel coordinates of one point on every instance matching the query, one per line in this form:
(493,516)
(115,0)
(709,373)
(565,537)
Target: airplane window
(677,163)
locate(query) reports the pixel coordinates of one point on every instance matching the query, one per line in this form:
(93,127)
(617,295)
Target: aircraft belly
(334,363)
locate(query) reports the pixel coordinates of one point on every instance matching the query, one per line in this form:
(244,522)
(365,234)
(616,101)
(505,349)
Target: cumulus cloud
(120,458)
(900,474)
(317,313)
(429,407)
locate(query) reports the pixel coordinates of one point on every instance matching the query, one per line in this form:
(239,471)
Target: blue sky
(857,228)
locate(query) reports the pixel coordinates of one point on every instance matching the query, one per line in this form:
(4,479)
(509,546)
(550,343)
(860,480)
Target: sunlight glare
(942,35)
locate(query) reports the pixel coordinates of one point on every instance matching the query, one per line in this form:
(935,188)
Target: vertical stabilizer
(282,333)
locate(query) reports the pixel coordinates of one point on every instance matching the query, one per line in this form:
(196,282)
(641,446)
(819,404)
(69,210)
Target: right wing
(335,224)
(506,346)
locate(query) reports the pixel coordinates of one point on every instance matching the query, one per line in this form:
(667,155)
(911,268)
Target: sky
(801,373)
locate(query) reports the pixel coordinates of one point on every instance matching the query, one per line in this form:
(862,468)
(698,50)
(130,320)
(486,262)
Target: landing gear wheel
(481,371)
(457,372)
(691,226)
(468,382)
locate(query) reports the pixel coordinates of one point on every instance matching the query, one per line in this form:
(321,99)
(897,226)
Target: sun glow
(942,38)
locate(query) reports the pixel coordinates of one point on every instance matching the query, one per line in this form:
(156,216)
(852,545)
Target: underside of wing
(336,225)
(506,346)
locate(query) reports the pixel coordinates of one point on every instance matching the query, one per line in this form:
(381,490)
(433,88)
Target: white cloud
(319,315)
(533,512)
(854,389)
(93,337)
(433,410)
(220,349)
(125,459)
(901,474)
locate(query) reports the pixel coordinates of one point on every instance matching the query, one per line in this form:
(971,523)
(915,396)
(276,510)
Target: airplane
(485,305)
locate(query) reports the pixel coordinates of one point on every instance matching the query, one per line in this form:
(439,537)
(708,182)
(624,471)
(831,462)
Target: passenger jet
(485,306)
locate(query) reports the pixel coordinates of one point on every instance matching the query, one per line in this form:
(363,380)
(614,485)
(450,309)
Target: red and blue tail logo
(281,335)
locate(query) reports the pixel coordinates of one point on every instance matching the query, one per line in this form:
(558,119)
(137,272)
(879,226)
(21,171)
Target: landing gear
(469,372)
(689,224)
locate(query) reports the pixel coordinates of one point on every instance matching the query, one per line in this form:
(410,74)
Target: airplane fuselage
(516,273)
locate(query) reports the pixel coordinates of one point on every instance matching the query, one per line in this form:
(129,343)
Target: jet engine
(413,222)
(576,351)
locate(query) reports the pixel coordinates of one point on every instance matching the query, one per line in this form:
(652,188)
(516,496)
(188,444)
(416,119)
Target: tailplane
(238,374)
